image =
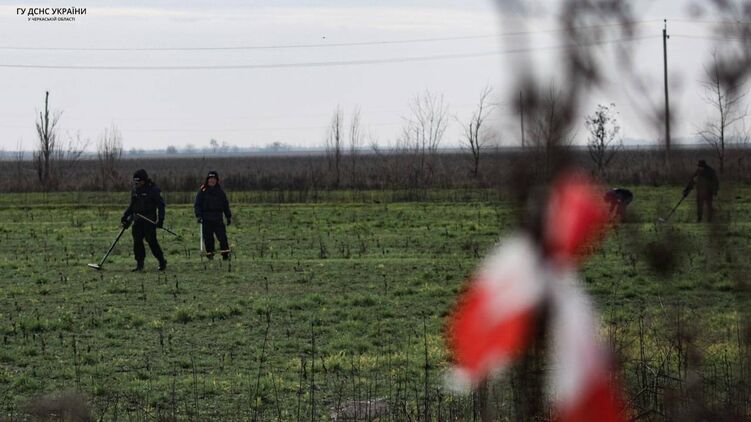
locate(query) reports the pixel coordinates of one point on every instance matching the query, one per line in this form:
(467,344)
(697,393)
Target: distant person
(146,201)
(707,185)
(618,199)
(211,204)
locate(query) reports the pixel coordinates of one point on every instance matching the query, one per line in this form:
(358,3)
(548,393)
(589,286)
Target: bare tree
(214,144)
(422,135)
(549,132)
(109,151)
(67,155)
(727,102)
(355,141)
(47,133)
(335,144)
(52,159)
(476,138)
(603,142)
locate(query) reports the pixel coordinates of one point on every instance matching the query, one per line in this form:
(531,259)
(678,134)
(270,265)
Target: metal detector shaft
(154,223)
(675,208)
(202,247)
(112,247)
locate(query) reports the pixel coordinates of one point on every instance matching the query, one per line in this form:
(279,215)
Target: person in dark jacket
(145,203)
(211,203)
(617,200)
(707,185)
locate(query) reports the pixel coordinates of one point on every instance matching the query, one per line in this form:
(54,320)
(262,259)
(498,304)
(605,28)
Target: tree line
(354,160)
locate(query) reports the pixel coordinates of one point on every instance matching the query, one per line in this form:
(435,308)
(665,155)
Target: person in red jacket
(211,203)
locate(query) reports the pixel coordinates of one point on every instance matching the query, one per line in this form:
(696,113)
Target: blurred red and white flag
(496,319)
(580,378)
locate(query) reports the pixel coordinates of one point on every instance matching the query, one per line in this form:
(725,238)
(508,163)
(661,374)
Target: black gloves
(125,222)
(199,220)
(229,221)
(159,224)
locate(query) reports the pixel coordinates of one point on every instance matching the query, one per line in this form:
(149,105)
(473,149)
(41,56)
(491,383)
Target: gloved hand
(125,222)
(199,220)
(229,221)
(159,224)
(686,192)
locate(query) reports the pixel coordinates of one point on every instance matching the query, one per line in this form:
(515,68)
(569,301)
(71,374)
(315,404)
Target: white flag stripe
(513,276)
(579,361)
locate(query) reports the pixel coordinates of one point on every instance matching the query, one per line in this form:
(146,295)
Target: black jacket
(211,203)
(705,181)
(146,201)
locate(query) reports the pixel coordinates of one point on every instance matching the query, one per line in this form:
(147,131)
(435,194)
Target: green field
(327,304)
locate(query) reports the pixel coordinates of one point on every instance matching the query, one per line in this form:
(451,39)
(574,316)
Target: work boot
(225,257)
(163,265)
(139,267)
(210,256)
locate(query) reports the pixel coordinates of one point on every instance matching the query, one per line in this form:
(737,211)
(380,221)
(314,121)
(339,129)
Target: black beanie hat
(140,175)
(211,174)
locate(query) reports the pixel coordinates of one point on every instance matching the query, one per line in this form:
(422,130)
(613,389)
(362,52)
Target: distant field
(326,304)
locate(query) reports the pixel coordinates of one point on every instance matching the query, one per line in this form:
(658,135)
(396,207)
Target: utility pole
(521,109)
(665,37)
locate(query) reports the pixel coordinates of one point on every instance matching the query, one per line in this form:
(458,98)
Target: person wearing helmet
(146,200)
(211,203)
(707,185)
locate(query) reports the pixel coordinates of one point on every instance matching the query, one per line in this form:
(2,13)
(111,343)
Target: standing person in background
(211,203)
(146,200)
(707,185)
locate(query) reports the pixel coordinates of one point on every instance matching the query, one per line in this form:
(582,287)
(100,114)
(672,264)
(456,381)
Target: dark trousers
(143,230)
(701,202)
(211,228)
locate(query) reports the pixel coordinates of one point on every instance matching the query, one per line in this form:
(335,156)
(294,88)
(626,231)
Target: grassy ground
(330,303)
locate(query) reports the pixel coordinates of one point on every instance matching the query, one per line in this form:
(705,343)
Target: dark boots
(139,266)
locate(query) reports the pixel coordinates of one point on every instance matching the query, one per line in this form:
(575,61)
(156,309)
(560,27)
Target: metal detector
(665,220)
(202,247)
(154,223)
(98,266)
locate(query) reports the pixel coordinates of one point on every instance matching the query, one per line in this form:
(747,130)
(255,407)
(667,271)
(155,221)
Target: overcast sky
(291,99)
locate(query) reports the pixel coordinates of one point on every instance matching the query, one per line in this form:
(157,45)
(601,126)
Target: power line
(322,45)
(711,22)
(327,63)
(710,38)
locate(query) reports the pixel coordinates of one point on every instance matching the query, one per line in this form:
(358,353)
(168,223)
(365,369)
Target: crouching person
(211,204)
(618,200)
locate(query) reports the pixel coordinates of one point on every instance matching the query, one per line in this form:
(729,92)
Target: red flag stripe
(481,347)
(494,319)
(576,218)
(599,403)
